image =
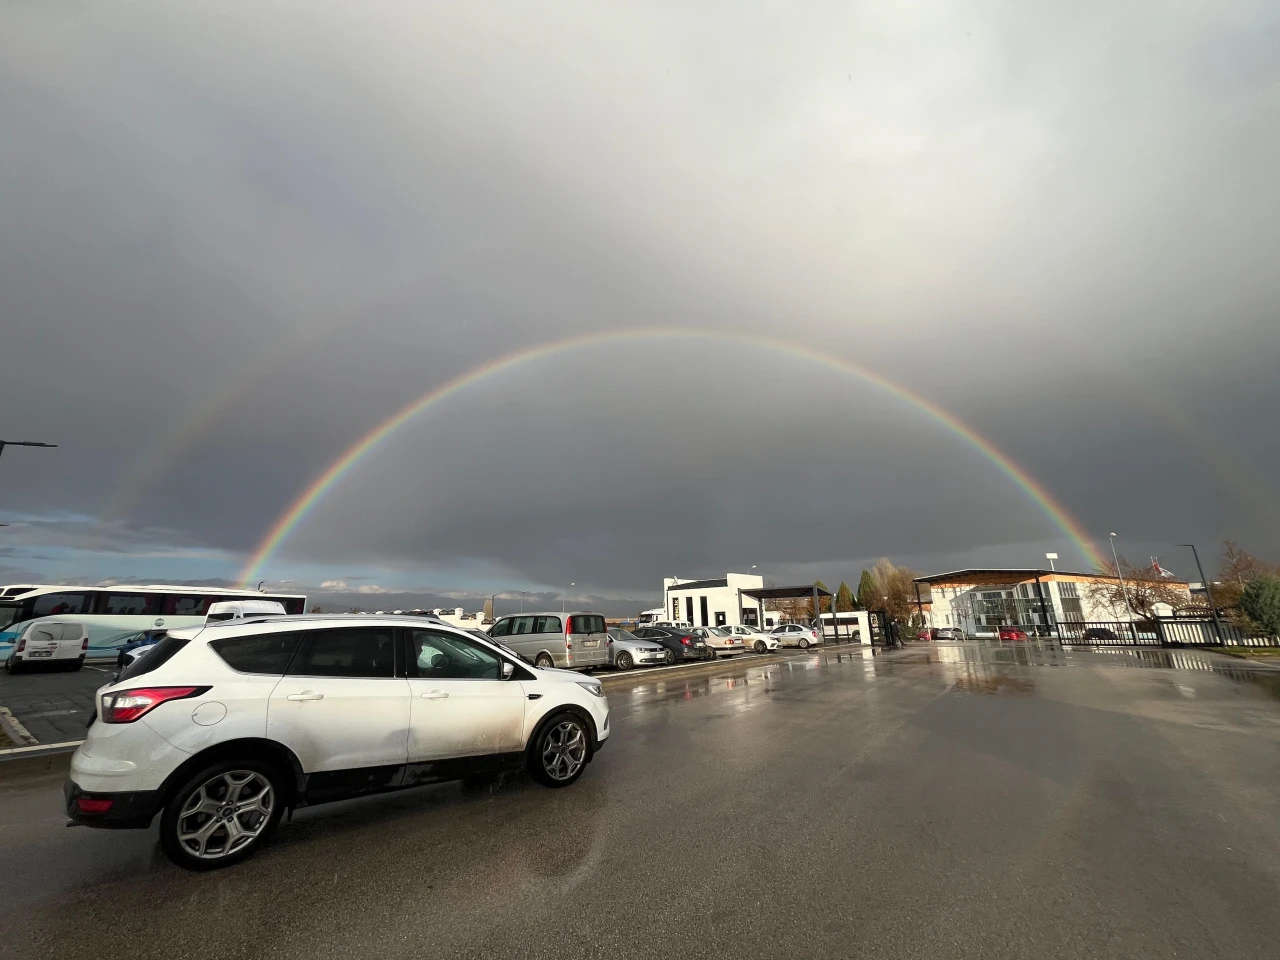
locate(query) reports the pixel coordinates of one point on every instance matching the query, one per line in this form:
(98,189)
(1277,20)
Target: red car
(1013,633)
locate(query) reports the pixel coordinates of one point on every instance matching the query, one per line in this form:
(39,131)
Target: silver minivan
(576,640)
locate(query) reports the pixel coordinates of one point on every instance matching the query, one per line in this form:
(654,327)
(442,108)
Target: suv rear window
(156,657)
(268,653)
(586,623)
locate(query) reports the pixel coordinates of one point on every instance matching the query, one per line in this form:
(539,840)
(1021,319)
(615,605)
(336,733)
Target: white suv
(221,728)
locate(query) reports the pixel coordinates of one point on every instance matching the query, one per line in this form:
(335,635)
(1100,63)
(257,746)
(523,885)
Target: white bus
(116,614)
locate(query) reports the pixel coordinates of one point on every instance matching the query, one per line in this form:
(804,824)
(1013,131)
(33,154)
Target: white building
(980,601)
(713,603)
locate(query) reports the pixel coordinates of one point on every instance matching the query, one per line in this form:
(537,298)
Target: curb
(33,761)
(677,671)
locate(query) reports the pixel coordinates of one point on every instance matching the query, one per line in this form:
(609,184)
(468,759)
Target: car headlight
(592,688)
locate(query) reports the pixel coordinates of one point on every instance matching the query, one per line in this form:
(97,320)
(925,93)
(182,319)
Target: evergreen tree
(824,603)
(844,598)
(867,597)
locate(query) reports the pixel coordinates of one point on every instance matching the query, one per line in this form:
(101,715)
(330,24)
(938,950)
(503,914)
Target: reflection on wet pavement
(841,802)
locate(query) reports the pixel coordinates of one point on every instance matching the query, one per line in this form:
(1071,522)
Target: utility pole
(23,443)
(1213,607)
(1133,631)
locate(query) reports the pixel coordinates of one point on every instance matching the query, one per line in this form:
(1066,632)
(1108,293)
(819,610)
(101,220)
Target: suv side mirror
(508,669)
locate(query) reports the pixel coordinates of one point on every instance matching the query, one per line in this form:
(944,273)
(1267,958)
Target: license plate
(40,653)
(699,645)
(591,644)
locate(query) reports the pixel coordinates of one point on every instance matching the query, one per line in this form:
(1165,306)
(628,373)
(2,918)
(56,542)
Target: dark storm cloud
(235,239)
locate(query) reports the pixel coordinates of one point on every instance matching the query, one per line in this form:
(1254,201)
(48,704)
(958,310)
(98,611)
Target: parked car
(672,624)
(137,642)
(949,633)
(576,640)
(753,639)
(796,635)
(239,609)
(720,640)
(61,644)
(1013,633)
(1099,635)
(927,633)
(220,729)
(678,644)
(626,650)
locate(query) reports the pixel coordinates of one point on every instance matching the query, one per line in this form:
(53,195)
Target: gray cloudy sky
(237,236)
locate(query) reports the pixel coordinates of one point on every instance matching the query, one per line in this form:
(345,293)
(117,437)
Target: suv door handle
(306,696)
(435,695)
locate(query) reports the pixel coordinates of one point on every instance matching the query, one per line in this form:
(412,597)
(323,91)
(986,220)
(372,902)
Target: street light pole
(1051,557)
(564,595)
(1213,607)
(1133,632)
(23,443)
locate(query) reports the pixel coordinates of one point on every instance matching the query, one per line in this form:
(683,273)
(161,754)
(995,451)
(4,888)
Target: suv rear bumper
(128,811)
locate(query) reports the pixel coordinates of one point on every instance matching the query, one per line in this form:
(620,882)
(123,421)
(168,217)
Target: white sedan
(753,639)
(720,640)
(796,635)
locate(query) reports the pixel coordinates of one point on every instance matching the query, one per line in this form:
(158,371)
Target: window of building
(1068,590)
(1072,610)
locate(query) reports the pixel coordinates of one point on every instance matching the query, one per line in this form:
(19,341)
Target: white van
(239,609)
(575,640)
(61,643)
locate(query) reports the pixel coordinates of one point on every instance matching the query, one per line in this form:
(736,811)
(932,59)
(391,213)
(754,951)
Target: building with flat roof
(982,600)
(712,603)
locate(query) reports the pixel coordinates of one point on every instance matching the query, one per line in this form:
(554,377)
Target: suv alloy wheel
(559,752)
(222,814)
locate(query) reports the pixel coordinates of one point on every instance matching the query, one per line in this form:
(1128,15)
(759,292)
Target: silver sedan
(626,650)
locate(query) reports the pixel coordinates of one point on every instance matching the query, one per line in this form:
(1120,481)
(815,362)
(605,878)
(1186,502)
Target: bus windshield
(8,613)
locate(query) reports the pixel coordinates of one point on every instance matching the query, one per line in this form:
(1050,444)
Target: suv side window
(437,655)
(268,653)
(346,652)
(500,629)
(547,625)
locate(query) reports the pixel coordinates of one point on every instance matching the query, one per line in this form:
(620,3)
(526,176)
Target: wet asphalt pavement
(940,801)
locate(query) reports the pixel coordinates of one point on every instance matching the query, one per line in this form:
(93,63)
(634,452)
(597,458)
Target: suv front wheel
(222,814)
(560,750)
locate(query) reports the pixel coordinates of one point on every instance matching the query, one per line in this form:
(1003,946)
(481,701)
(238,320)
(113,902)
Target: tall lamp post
(1051,557)
(564,595)
(1124,591)
(23,443)
(1208,590)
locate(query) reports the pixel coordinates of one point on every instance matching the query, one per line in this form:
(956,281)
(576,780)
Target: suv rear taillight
(22,645)
(84,644)
(126,706)
(685,641)
(568,626)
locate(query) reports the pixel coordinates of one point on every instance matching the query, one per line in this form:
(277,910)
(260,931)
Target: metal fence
(1162,632)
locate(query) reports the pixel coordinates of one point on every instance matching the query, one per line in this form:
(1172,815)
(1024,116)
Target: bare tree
(1143,589)
(895,588)
(1236,570)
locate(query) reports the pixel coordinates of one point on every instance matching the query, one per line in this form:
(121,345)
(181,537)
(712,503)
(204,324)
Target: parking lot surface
(941,801)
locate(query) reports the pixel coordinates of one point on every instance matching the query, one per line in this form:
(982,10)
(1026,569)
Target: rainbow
(321,485)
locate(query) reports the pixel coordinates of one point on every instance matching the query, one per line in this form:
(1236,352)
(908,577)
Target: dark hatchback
(681,644)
